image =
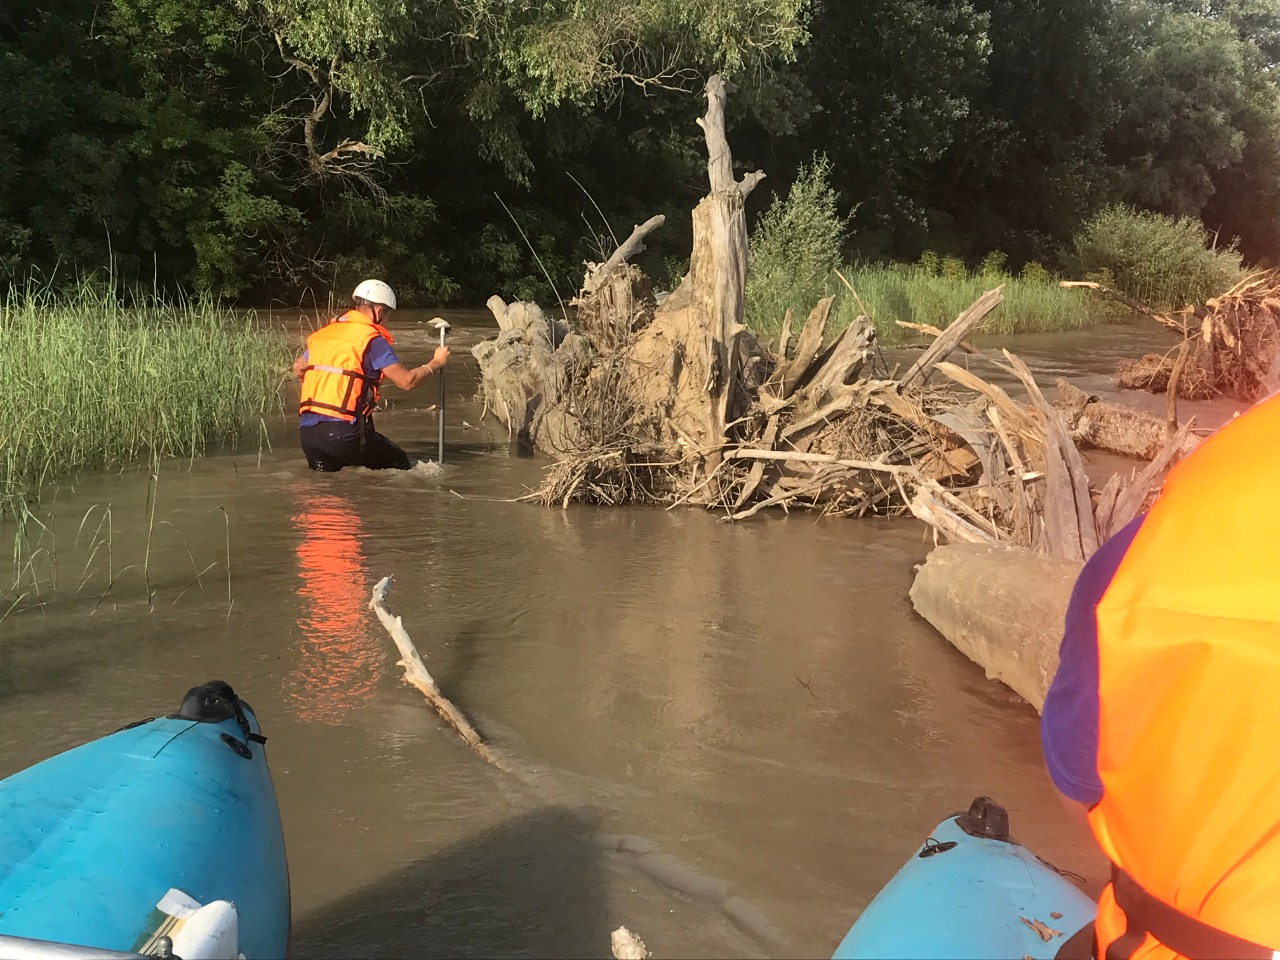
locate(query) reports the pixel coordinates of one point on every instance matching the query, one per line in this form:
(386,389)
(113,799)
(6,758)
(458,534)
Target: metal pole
(441,325)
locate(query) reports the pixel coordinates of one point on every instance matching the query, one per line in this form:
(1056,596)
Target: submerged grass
(92,383)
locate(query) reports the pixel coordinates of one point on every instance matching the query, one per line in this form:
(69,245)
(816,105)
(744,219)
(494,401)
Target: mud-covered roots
(1240,335)
(675,402)
(611,478)
(1152,371)
(1232,343)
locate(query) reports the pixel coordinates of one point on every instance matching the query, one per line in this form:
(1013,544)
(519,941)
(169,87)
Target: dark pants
(330,446)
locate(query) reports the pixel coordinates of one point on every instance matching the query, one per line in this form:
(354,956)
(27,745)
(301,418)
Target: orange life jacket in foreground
(1189,709)
(334,383)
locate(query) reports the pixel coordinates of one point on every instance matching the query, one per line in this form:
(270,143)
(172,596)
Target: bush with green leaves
(794,249)
(1166,262)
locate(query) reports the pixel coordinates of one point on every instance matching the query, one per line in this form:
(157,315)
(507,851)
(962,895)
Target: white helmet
(375,291)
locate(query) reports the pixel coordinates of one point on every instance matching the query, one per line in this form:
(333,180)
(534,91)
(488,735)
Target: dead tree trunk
(691,354)
(718,267)
(1108,426)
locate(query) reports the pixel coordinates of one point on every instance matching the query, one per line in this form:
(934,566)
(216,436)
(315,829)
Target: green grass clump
(91,383)
(1166,262)
(937,291)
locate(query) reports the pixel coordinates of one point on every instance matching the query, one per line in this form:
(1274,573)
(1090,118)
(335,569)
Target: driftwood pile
(1227,346)
(675,402)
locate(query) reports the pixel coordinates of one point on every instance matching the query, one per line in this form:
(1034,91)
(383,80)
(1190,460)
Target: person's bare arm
(407,379)
(298,366)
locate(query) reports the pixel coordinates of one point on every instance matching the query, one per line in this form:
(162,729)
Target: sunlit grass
(91,383)
(1033,303)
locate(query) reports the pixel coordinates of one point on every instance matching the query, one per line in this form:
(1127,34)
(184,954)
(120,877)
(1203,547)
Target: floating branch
(416,674)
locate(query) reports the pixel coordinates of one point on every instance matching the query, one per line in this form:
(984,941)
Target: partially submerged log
(416,675)
(1000,605)
(1152,372)
(643,855)
(1108,426)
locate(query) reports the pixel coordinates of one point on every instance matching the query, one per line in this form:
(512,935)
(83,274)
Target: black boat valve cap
(210,702)
(985,818)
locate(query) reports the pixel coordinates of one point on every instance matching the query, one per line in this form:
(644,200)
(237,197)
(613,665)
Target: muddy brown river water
(729,737)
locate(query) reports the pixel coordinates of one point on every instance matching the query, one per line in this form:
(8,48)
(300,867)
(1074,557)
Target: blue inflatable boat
(970,892)
(161,839)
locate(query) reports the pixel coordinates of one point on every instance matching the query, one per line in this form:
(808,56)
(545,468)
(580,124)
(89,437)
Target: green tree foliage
(1181,122)
(274,150)
(386,64)
(894,82)
(1204,123)
(1031,162)
(264,147)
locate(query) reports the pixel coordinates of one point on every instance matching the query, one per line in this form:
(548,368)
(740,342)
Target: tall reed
(88,382)
(918,294)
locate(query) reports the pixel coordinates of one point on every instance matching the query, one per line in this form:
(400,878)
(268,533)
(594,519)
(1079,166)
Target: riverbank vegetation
(273,152)
(923,293)
(91,382)
(796,245)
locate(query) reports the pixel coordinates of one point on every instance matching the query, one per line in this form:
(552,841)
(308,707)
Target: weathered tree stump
(675,402)
(1236,340)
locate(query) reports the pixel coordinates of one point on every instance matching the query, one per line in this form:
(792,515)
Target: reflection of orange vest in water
(334,383)
(339,659)
(1189,724)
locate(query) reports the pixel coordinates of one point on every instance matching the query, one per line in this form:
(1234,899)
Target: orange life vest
(1189,708)
(334,383)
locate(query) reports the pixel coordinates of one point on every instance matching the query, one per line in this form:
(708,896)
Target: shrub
(930,263)
(1164,261)
(1034,272)
(993,264)
(794,248)
(953,269)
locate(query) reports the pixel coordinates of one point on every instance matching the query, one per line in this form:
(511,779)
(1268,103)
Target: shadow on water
(457,677)
(530,887)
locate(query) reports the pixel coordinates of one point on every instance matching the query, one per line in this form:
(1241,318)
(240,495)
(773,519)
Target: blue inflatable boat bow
(161,838)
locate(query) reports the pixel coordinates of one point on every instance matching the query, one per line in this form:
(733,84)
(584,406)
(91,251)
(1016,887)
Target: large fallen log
(1108,426)
(1000,605)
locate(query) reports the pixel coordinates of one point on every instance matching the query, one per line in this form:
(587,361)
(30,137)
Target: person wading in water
(340,370)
